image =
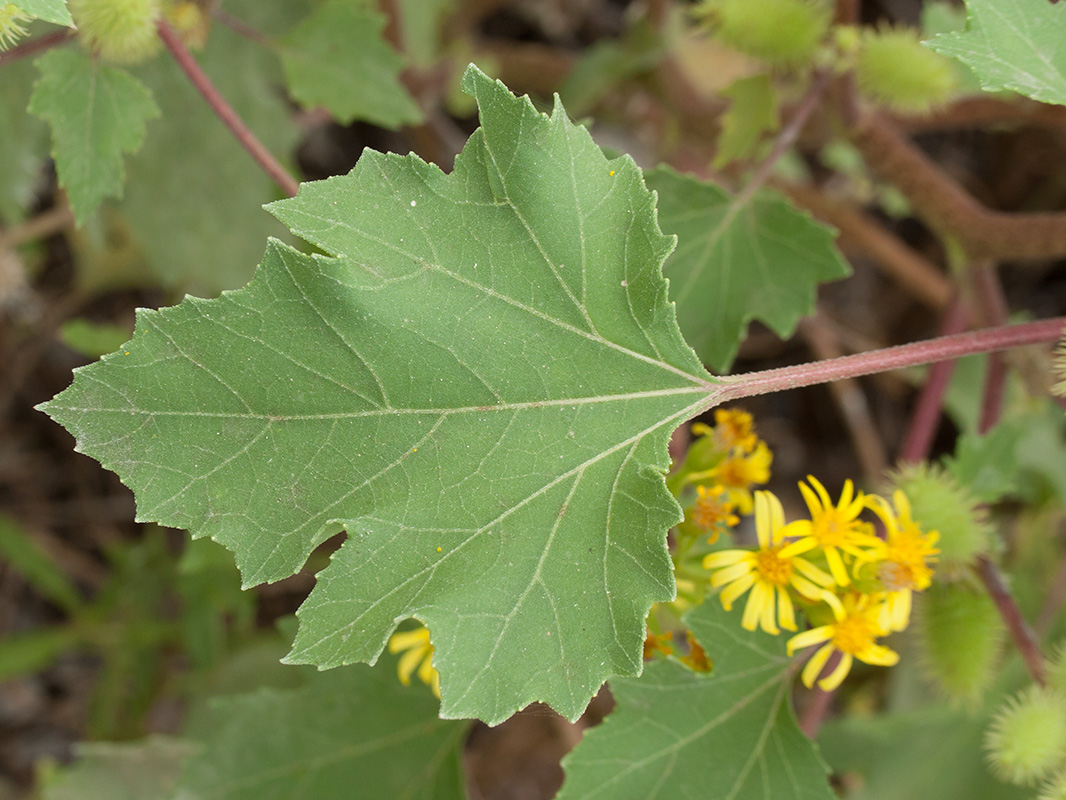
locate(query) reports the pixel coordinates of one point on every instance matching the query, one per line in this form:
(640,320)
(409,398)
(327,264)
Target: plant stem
(735,387)
(1024,638)
(35,45)
(225,111)
(241,28)
(787,137)
(926,415)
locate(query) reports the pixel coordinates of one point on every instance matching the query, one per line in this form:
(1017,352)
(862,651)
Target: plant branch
(1024,637)
(992,307)
(944,205)
(225,111)
(788,135)
(926,415)
(35,45)
(735,387)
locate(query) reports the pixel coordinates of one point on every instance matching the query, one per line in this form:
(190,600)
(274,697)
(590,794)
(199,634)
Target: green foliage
(93,339)
(20,552)
(679,733)
(356,727)
(48,10)
(146,770)
(752,113)
(740,258)
(97,113)
(445,460)
(193,198)
(338,59)
(1013,44)
(25,140)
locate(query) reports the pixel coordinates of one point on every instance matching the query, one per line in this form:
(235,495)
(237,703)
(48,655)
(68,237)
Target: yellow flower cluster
(417,657)
(855,586)
(723,464)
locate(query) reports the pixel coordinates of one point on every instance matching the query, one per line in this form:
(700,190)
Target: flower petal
(736,589)
(730,574)
(836,677)
(836,566)
(724,558)
(823,633)
(785,614)
(814,665)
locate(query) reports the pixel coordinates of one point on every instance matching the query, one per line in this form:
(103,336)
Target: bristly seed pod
(783,32)
(894,68)
(1026,740)
(939,503)
(123,31)
(960,632)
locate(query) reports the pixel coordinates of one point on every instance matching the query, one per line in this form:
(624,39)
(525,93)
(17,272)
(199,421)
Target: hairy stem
(735,387)
(1024,637)
(225,111)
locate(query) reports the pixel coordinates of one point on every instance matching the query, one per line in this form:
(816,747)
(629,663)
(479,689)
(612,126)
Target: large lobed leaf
(680,734)
(49,10)
(479,387)
(97,114)
(740,258)
(1013,44)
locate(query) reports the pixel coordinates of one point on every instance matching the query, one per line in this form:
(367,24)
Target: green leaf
(26,141)
(678,733)
(93,339)
(97,113)
(479,388)
(49,10)
(26,653)
(337,58)
(738,260)
(194,195)
(146,770)
(1013,44)
(752,113)
(23,554)
(354,732)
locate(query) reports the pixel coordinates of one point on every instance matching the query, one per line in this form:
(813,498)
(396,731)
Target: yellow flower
(11,19)
(738,473)
(712,509)
(419,655)
(904,561)
(835,529)
(857,624)
(766,572)
(732,429)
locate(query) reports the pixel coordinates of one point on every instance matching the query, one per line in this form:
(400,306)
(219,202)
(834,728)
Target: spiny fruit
(960,632)
(939,503)
(1026,740)
(785,32)
(123,31)
(894,69)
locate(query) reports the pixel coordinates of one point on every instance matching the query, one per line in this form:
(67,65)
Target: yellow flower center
(772,568)
(712,508)
(831,528)
(854,633)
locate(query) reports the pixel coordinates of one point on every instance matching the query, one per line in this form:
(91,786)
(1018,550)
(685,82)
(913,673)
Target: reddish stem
(926,416)
(225,111)
(992,306)
(36,45)
(735,387)
(1024,637)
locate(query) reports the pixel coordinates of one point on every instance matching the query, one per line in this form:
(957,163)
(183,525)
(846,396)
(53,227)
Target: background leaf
(146,770)
(337,58)
(354,732)
(194,195)
(358,392)
(97,113)
(678,733)
(26,141)
(758,259)
(1013,44)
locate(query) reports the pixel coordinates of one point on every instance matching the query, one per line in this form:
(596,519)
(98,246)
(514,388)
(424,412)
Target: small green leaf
(26,653)
(752,113)
(1013,44)
(97,113)
(49,10)
(354,732)
(479,387)
(26,140)
(93,339)
(759,258)
(337,58)
(727,734)
(23,554)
